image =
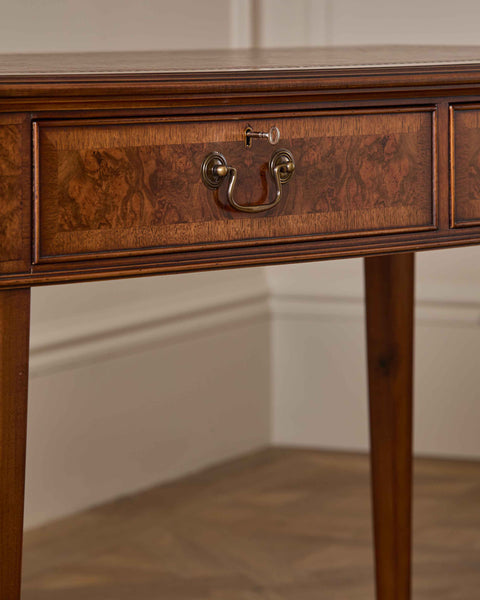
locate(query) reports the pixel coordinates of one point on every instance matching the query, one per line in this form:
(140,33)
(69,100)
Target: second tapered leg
(14,335)
(389,283)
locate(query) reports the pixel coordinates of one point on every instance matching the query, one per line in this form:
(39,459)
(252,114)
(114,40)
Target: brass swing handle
(215,168)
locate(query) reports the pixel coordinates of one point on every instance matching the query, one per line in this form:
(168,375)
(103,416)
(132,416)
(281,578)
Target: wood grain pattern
(14,337)
(466,167)
(134,187)
(280,524)
(389,287)
(64,82)
(14,193)
(110,186)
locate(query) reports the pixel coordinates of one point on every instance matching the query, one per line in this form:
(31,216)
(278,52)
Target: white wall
(319,355)
(137,381)
(318,334)
(129,394)
(69,26)
(406,22)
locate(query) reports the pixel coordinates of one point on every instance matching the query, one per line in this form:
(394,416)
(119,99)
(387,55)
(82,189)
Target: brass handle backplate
(215,169)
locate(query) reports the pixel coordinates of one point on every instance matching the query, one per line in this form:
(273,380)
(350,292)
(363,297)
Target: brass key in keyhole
(272,135)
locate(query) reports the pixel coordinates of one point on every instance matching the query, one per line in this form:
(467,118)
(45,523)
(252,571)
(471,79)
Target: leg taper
(14,335)
(389,283)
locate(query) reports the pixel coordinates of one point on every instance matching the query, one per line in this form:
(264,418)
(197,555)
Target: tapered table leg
(14,336)
(389,283)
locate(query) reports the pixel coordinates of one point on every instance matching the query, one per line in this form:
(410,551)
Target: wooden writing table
(128,164)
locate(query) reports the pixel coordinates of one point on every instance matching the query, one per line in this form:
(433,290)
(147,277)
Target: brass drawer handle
(215,168)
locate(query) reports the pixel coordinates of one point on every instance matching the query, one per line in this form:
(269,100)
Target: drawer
(15,191)
(465,166)
(135,186)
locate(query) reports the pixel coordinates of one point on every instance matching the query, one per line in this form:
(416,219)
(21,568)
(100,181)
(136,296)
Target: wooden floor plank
(280,524)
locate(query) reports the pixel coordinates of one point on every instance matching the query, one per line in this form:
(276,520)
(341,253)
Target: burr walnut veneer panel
(134,186)
(465,125)
(118,144)
(14,193)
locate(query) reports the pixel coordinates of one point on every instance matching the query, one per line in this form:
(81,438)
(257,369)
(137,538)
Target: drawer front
(106,188)
(15,189)
(465,163)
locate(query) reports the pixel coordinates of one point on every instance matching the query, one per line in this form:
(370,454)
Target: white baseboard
(319,380)
(307,372)
(307,306)
(137,384)
(123,332)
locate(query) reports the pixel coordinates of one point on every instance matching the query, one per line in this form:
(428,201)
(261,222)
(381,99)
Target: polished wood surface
(15,202)
(14,338)
(386,163)
(280,524)
(111,186)
(389,290)
(92,225)
(238,60)
(465,165)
